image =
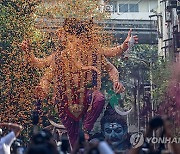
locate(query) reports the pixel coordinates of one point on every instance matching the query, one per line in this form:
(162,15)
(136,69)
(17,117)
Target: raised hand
(125,44)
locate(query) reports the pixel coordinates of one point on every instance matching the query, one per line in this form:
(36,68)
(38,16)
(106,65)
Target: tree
(15,74)
(135,74)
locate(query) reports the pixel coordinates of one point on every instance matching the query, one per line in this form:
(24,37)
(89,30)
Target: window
(128,8)
(133,8)
(114,5)
(123,7)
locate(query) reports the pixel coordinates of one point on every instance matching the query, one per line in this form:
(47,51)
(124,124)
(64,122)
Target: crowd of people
(43,141)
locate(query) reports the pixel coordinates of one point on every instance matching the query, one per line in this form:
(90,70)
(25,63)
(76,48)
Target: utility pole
(138,100)
(151,89)
(150,77)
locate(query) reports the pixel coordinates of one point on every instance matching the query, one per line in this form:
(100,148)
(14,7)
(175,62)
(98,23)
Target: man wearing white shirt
(6,141)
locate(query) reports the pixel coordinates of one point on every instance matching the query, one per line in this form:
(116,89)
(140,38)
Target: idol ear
(125,136)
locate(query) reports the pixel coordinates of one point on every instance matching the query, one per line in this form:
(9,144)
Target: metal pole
(151,89)
(151,96)
(138,104)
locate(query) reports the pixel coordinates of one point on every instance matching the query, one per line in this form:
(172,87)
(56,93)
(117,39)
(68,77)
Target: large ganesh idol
(77,70)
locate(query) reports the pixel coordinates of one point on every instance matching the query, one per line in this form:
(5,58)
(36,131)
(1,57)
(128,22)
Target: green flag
(113,98)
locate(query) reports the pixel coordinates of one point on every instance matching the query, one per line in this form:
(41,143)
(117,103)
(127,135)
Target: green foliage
(16,20)
(135,69)
(161,73)
(142,62)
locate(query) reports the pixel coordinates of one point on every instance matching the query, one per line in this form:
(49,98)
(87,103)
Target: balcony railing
(145,28)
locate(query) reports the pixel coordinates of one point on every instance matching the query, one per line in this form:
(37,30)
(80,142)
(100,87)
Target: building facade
(135,14)
(168,15)
(123,15)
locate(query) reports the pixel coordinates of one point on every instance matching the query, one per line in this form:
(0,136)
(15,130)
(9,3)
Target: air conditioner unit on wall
(108,8)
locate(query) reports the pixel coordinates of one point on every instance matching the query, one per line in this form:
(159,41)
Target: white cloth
(6,142)
(104,148)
